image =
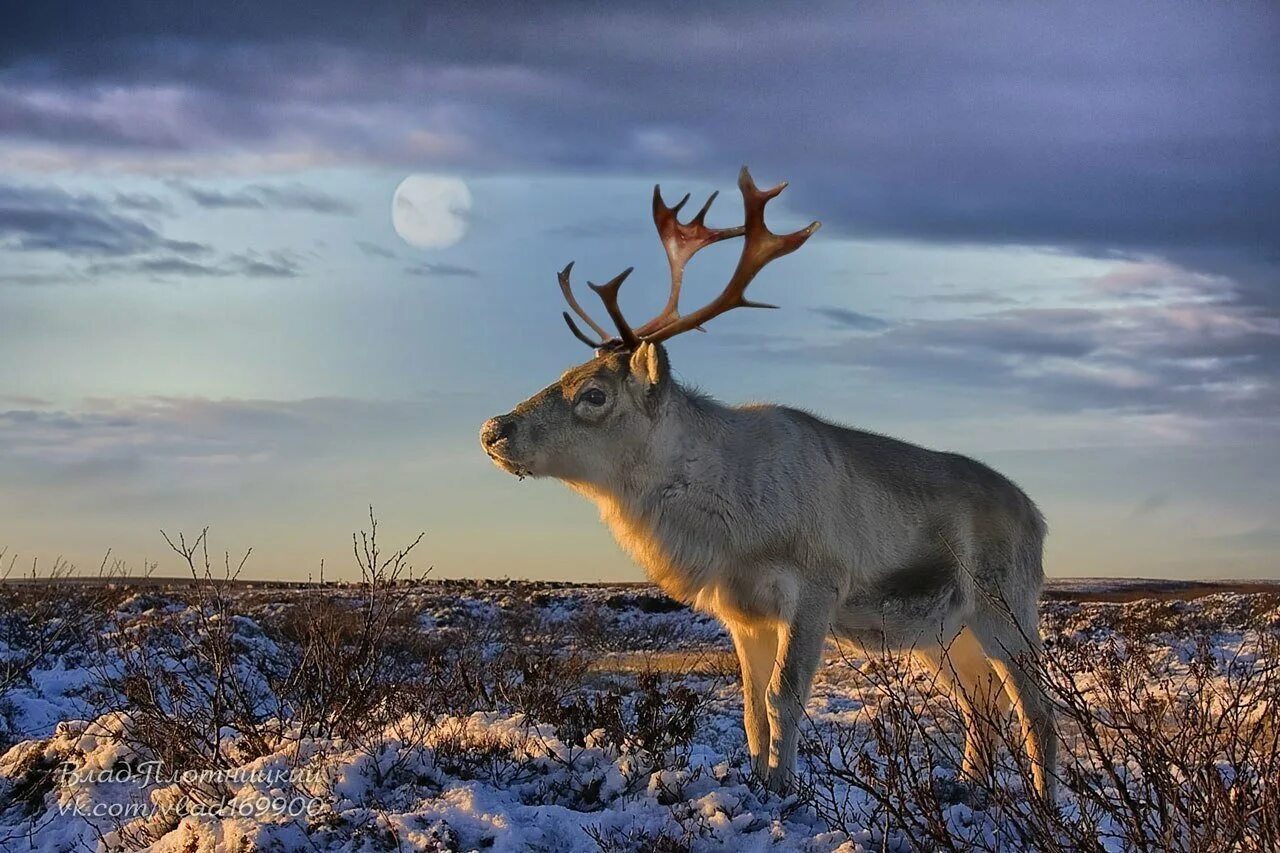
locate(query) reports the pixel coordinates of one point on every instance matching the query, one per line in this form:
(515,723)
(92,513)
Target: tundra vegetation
(402,712)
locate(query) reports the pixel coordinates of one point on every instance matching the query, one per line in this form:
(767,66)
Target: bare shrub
(1167,708)
(353,661)
(201,685)
(43,618)
(210,677)
(617,840)
(187,675)
(520,664)
(1167,752)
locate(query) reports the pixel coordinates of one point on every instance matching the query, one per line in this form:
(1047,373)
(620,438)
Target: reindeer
(786,527)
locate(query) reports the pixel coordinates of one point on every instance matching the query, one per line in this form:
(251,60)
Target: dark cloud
(265,197)
(851,319)
(47,219)
(434,270)
(1094,126)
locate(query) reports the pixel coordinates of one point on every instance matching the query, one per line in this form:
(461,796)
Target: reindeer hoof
(952,791)
(778,781)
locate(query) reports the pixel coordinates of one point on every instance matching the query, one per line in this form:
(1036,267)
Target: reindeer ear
(649,365)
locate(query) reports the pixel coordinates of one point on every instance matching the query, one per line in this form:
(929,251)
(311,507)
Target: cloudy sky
(1051,240)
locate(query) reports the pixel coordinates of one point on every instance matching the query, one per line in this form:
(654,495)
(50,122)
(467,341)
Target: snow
(494,780)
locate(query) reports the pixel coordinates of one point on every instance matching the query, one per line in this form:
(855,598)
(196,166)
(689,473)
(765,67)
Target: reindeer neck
(655,504)
(689,428)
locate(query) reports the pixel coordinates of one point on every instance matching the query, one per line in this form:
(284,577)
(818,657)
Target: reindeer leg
(1011,649)
(963,668)
(757,647)
(799,653)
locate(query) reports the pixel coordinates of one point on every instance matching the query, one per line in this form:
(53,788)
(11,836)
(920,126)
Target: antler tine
(681,242)
(577,333)
(759,248)
(702,214)
(567,290)
(608,293)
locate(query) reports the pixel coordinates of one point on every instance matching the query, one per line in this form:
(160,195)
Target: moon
(430,211)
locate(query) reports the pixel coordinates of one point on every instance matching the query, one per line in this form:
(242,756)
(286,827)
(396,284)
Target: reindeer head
(598,419)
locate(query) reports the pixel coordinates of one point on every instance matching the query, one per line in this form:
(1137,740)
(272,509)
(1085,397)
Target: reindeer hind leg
(965,672)
(1012,645)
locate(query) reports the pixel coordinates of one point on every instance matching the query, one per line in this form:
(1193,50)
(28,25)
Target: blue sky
(1049,241)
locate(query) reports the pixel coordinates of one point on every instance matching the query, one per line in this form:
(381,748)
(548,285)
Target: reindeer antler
(567,290)
(608,293)
(681,242)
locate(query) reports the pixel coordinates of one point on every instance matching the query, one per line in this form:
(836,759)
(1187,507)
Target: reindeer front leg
(757,647)
(800,643)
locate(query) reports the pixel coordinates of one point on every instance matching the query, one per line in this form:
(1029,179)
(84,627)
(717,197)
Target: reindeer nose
(496,429)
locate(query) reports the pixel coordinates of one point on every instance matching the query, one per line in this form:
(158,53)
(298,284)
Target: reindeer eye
(593,397)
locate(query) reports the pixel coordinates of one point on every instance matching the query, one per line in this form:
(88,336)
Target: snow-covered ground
(546,717)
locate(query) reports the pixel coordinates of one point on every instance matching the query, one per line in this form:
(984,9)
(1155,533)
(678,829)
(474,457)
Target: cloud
(32,279)
(107,439)
(1210,360)
(1156,279)
(24,400)
(1055,332)
(266,197)
(52,220)
(160,267)
(1150,505)
(1258,539)
(1112,130)
(373,250)
(142,202)
(434,270)
(1093,126)
(851,319)
(277,264)
(974,297)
